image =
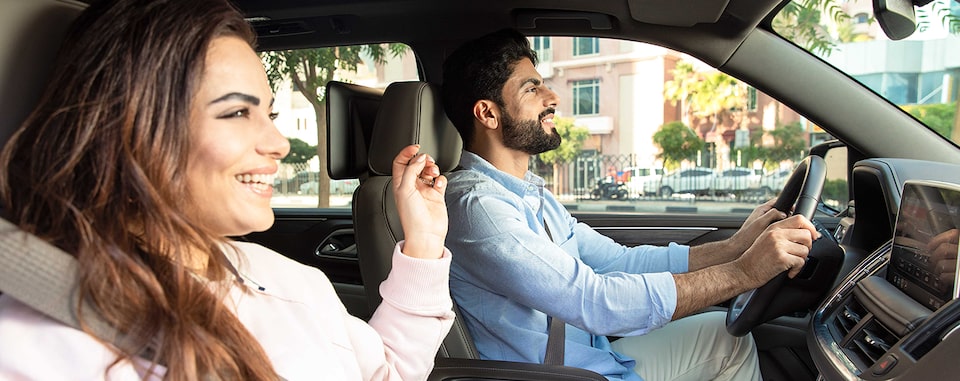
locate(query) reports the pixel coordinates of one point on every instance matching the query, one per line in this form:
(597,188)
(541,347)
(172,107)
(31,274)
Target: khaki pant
(694,348)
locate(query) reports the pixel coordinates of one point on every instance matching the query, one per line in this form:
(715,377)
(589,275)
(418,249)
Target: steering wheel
(800,195)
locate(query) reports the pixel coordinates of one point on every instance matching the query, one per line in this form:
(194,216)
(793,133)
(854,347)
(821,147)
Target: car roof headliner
(708,29)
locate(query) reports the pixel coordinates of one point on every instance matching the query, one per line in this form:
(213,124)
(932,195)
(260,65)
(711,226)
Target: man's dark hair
(477,70)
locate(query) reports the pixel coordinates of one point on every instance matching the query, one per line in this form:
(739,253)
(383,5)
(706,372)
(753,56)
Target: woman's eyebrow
(238,96)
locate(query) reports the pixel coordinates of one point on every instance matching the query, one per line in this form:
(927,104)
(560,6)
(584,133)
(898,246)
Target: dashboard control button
(884,365)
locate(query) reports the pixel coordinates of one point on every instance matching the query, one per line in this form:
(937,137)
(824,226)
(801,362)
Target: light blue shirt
(508,274)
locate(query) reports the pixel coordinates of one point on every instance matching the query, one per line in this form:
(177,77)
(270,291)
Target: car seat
(409,113)
(29,40)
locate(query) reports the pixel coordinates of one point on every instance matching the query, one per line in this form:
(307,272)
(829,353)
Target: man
(520,257)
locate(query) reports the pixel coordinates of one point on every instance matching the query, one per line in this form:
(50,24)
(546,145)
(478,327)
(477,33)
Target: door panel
(633,229)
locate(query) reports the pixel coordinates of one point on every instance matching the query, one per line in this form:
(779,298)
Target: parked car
(644,181)
(737,181)
(772,182)
(697,181)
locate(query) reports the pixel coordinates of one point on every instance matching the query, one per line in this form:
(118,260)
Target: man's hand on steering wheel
(782,246)
(758,220)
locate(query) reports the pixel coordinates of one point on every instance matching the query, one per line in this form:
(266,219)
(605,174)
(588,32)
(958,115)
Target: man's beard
(528,135)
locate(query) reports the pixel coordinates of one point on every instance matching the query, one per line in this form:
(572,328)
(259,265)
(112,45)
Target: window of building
(541,44)
(583,46)
(586,97)
(751,98)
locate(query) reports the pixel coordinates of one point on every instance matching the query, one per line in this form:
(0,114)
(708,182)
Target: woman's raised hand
(418,189)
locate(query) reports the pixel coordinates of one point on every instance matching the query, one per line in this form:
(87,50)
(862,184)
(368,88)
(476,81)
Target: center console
(898,311)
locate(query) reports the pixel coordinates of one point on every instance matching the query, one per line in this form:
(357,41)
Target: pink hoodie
(298,319)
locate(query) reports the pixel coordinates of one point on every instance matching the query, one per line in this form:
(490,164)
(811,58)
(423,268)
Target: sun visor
(677,12)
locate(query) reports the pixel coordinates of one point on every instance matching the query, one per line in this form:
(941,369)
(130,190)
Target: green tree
(681,87)
(706,95)
(800,22)
(836,193)
(572,137)
(309,70)
(677,143)
(788,143)
(938,116)
(300,152)
(709,96)
(751,153)
(846,32)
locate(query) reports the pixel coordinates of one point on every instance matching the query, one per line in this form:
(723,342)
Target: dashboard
(895,315)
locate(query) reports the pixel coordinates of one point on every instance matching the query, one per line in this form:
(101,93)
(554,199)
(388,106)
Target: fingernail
(421,157)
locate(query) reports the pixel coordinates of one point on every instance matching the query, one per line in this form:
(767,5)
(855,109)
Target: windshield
(920,73)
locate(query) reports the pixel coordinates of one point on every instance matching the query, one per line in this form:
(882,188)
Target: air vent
(850,315)
(871,342)
(865,339)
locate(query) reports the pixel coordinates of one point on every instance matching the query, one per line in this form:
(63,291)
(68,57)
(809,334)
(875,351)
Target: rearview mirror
(897,18)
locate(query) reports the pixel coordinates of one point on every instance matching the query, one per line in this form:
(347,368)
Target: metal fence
(597,176)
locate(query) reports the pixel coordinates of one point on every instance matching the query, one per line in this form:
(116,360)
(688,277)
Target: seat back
(410,113)
(30,36)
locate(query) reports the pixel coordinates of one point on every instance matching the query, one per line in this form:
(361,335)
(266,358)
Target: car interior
(869,306)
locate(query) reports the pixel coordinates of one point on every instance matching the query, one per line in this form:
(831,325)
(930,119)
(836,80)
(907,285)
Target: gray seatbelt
(557,331)
(555,342)
(44,277)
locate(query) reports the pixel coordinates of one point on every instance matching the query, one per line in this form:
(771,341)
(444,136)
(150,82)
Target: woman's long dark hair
(99,167)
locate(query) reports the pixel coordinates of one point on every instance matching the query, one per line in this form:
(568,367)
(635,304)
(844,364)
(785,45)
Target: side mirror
(897,18)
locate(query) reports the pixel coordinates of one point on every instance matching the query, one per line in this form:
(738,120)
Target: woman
(152,145)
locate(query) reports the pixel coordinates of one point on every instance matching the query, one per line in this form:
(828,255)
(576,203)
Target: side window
(300,102)
(667,128)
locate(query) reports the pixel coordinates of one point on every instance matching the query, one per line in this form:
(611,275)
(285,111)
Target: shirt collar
(472,161)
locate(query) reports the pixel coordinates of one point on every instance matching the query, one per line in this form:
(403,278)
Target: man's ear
(487,113)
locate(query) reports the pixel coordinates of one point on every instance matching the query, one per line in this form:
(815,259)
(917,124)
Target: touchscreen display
(923,262)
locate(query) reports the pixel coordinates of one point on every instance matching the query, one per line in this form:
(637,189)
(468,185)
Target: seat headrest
(30,36)
(410,113)
(351,114)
